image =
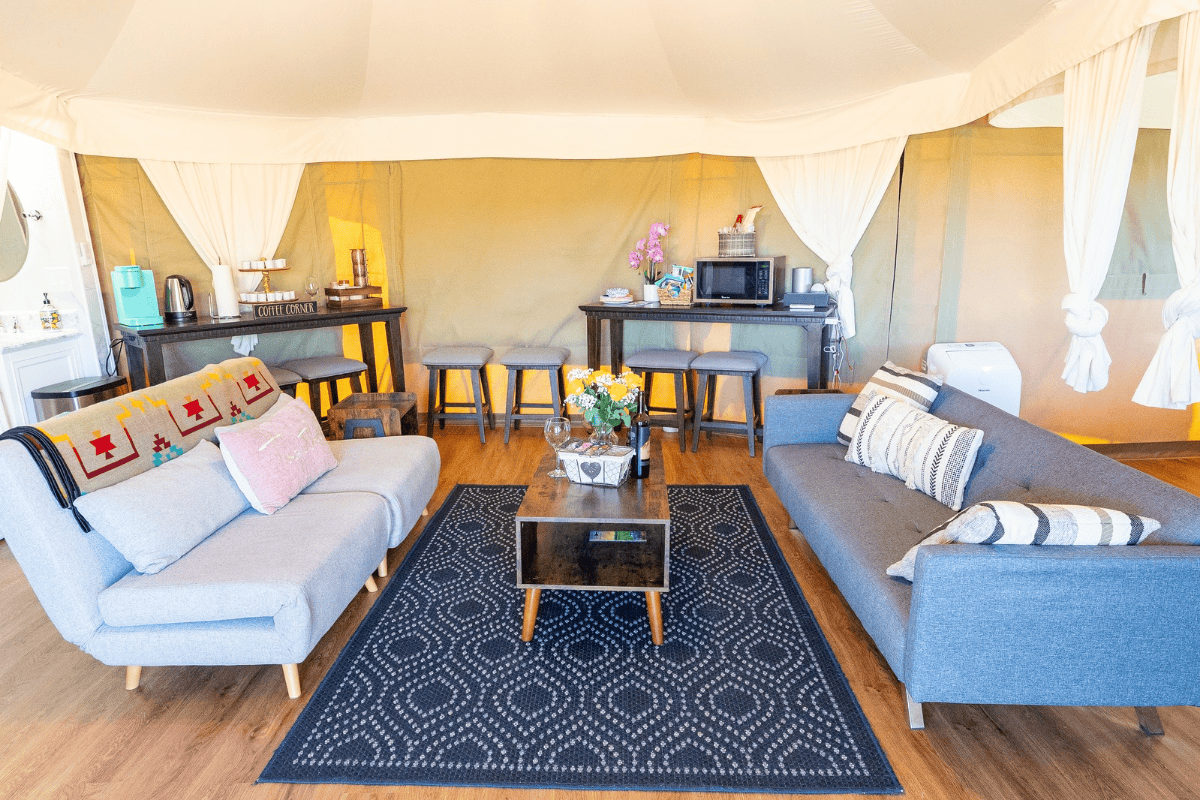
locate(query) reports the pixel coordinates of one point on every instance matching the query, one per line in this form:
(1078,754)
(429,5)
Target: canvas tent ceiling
(308,80)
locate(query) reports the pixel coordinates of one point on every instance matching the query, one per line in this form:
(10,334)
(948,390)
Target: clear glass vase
(602,433)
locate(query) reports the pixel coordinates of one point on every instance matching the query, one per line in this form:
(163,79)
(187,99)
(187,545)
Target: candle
(132,257)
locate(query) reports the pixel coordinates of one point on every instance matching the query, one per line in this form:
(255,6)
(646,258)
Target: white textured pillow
(155,517)
(1007,522)
(929,454)
(915,389)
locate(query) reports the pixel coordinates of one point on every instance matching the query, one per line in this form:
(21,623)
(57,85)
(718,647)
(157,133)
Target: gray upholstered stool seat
(520,359)
(327,370)
(286,379)
(469,357)
(747,365)
(673,362)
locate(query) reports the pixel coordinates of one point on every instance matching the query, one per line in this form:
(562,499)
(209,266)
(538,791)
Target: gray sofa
(1079,625)
(259,590)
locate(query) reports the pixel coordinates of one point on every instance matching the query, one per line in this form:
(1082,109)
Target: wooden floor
(69,729)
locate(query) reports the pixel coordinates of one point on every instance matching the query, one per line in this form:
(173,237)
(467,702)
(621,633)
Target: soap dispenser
(51,321)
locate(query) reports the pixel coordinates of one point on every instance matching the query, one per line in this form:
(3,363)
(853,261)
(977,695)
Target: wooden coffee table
(554,550)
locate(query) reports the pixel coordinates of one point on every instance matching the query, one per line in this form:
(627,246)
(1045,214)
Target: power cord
(110,363)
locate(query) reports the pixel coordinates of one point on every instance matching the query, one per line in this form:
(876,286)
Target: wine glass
(558,431)
(311,287)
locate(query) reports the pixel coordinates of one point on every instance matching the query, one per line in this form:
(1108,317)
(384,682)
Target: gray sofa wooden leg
(916,716)
(291,677)
(133,677)
(792,526)
(1148,721)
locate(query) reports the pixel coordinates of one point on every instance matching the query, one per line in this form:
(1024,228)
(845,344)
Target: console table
(817,333)
(143,345)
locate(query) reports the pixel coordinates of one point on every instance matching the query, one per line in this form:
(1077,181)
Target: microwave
(753,280)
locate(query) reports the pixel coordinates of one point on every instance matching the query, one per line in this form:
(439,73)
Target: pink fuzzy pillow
(274,459)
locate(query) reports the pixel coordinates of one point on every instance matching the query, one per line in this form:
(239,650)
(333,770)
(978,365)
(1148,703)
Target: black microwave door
(728,281)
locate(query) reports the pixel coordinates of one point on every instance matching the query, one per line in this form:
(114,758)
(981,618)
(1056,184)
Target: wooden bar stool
(673,362)
(518,361)
(744,364)
(327,370)
(286,379)
(442,359)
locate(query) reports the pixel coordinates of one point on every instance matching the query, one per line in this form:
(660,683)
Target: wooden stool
(286,379)
(327,370)
(520,359)
(748,366)
(677,363)
(385,413)
(441,359)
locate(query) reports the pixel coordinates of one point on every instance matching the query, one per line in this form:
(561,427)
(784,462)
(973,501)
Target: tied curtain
(828,199)
(229,213)
(1173,380)
(1102,100)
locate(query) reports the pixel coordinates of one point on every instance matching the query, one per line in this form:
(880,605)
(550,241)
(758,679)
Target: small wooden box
(393,412)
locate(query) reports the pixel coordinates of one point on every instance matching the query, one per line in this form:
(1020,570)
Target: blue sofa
(260,589)
(1080,625)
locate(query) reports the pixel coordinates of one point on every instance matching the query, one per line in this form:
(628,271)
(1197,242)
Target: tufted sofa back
(1022,462)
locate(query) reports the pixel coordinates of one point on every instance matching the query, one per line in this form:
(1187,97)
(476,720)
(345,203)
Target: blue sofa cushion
(155,517)
(858,523)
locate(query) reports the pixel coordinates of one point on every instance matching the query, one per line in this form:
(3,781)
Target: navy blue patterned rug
(436,686)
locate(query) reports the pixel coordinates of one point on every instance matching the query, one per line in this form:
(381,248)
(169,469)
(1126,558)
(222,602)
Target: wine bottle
(639,440)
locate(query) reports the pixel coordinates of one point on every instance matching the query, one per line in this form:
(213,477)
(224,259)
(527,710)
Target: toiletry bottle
(49,314)
(639,440)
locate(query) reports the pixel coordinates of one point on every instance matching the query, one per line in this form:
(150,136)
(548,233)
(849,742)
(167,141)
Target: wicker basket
(676,295)
(734,245)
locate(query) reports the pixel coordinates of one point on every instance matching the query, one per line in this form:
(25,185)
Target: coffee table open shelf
(553,525)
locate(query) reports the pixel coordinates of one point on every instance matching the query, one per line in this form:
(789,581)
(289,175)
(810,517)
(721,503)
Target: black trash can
(69,395)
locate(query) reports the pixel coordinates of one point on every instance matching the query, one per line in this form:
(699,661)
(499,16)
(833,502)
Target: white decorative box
(596,465)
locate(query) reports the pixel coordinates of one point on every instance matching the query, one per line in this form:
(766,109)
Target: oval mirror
(14,235)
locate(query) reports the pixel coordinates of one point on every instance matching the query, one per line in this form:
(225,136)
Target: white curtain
(829,198)
(1173,380)
(229,212)
(1102,97)
(5,138)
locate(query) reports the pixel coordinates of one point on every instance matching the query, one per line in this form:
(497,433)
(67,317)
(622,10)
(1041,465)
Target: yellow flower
(631,379)
(617,392)
(575,386)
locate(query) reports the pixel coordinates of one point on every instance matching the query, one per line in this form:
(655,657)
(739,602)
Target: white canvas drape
(228,212)
(828,199)
(1102,97)
(1173,380)
(5,138)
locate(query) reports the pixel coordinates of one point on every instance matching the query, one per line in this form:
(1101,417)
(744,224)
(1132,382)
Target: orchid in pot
(605,399)
(648,253)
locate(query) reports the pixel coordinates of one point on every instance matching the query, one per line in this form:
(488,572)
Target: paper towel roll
(225,291)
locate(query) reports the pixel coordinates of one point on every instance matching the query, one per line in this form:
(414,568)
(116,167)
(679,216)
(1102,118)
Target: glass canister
(51,321)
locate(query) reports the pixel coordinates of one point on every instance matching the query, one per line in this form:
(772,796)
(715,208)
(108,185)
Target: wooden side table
(385,413)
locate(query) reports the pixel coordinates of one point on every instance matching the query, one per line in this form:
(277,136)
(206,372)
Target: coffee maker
(133,292)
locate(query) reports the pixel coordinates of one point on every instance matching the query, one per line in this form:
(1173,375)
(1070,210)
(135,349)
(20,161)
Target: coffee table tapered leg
(532,597)
(654,611)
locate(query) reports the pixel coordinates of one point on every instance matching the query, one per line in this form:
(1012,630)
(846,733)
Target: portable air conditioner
(984,369)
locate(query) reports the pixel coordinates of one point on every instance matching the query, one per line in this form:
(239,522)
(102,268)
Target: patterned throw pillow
(929,454)
(1007,522)
(273,460)
(914,388)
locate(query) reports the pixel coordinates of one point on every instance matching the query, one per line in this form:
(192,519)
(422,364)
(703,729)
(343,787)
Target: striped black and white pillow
(914,388)
(1007,522)
(929,454)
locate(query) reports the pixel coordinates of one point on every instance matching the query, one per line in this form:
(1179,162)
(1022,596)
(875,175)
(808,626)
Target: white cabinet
(31,366)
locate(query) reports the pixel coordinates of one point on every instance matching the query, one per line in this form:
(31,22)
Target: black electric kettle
(178,302)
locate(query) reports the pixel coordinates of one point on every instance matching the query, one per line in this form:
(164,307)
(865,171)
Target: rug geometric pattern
(436,686)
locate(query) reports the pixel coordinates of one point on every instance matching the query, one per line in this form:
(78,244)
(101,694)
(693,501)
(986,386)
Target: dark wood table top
(763,315)
(559,500)
(208,328)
